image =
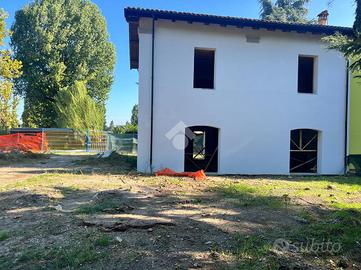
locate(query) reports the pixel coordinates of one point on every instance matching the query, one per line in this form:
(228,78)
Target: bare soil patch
(65,212)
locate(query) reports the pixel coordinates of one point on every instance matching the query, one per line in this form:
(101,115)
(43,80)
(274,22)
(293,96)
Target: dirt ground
(73,212)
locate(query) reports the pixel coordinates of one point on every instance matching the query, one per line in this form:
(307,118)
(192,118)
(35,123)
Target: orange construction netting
(24,142)
(198,176)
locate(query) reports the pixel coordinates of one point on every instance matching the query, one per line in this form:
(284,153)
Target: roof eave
(133,16)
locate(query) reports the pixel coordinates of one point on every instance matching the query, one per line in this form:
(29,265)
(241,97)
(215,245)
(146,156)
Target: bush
(127,128)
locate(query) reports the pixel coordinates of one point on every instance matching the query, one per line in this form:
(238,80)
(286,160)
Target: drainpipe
(347,115)
(152,102)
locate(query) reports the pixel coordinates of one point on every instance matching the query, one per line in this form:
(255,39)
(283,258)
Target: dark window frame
(199,145)
(200,78)
(305,151)
(306,75)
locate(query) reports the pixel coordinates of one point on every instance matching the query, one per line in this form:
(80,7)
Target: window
(304,151)
(199,145)
(306,74)
(203,68)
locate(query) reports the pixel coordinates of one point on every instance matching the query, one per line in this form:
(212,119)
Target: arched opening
(201,149)
(304,151)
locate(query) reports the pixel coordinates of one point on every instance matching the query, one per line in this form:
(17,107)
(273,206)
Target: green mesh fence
(88,140)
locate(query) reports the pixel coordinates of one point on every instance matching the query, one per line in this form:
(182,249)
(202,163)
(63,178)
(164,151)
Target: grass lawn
(101,214)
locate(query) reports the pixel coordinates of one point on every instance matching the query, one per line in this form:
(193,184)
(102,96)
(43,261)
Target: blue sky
(124,90)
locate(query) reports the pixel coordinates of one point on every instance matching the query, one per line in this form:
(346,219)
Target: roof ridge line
(172,12)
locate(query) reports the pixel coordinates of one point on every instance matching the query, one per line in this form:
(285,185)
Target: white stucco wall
(255,101)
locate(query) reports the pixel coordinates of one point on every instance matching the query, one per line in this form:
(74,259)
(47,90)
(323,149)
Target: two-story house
(238,96)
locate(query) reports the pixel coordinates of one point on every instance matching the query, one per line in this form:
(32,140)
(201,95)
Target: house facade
(238,96)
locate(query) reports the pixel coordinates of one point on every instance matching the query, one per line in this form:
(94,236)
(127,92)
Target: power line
(329,3)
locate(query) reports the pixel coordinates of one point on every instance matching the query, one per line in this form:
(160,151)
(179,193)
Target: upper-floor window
(306,74)
(203,68)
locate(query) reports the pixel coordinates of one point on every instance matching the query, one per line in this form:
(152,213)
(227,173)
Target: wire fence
(88,140)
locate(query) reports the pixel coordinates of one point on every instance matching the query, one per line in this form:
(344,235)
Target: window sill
(203,88)
(310,94)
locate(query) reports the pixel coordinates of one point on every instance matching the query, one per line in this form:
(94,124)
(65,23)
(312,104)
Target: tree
(77,110)
(60,42)
(131,127)
(124,129)
(10,69)
(134,118)
(349,46)
(111,126)
(284,10)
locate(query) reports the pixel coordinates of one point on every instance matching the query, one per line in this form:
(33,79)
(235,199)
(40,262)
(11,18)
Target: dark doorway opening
(304,151)
(201,151)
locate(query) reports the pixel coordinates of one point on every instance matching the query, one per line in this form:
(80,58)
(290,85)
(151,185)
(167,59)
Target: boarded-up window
(306,76)
(203,68)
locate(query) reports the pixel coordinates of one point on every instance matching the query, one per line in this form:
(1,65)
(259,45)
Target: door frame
(211,149)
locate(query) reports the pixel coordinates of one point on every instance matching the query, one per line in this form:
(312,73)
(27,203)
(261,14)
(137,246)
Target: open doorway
(201,151)
(304,151)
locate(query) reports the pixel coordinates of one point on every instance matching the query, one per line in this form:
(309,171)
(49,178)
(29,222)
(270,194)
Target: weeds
(253,253)
(249,196)
(63,257)
(103,240)
(342,226)
(4,235)
(97,207)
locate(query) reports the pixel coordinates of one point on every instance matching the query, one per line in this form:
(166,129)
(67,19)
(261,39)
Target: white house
(238,96)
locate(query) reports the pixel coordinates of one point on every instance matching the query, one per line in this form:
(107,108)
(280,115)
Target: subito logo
(180,135)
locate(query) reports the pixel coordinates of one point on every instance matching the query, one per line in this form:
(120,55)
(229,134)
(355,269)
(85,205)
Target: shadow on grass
(248,195)
(267,218)
(337,179)
(75,164)
(32,217)
(127,164)
(88,246)
(19,157)
(124,162)
(338,228)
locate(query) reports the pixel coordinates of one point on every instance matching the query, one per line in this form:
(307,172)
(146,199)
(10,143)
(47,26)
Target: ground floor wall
(256,150)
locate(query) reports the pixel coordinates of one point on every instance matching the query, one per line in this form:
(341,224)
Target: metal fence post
(109,142)
(87,141)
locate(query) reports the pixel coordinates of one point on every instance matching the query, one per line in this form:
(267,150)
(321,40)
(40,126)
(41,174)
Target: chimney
(323,18)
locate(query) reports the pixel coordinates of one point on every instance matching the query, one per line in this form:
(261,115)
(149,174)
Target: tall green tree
(284,10)
(77,110)
(134,118)
(350,45)
(10,69)
(60,42)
